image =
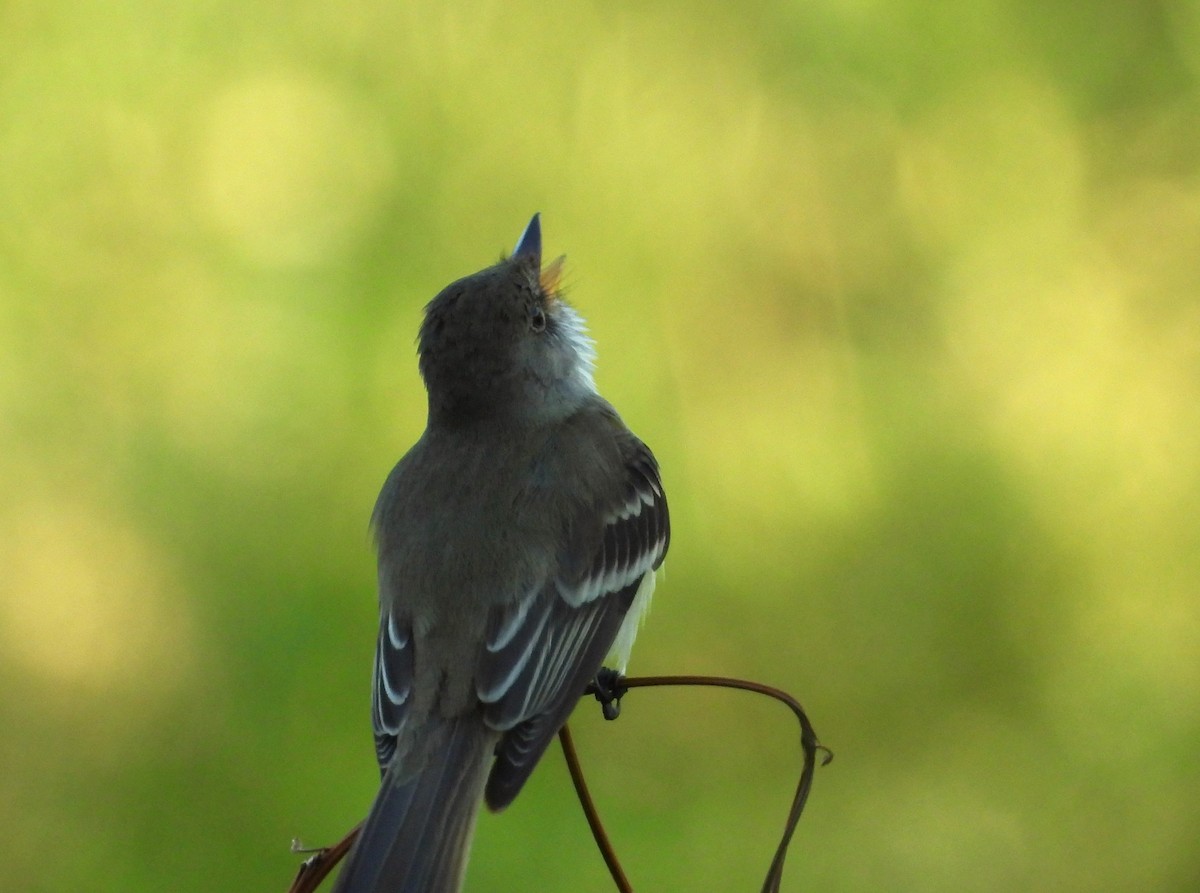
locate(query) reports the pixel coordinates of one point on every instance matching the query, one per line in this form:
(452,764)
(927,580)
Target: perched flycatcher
(517,541)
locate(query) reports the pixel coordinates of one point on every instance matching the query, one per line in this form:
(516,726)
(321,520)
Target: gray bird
(517,544)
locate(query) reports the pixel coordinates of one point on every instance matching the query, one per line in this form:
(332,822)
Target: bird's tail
(417,837)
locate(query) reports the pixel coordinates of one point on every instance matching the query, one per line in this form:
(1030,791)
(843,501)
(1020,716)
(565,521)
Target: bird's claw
(609,687)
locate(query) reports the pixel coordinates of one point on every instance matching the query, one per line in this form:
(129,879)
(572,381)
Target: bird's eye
(537,319)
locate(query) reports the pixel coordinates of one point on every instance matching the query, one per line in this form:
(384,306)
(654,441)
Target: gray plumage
(513,540)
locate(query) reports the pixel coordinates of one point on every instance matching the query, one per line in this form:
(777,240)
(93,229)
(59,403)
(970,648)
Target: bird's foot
(609,687)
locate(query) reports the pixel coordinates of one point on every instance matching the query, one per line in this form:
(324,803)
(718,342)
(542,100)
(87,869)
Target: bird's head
(503,344)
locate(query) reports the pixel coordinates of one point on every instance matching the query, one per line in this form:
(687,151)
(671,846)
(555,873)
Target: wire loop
(318,866)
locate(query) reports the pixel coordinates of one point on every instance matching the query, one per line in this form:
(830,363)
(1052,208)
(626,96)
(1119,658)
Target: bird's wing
(391,683)
(543,649)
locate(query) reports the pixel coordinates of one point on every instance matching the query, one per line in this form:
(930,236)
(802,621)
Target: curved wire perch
(589,810)
(809,744)
(318,866)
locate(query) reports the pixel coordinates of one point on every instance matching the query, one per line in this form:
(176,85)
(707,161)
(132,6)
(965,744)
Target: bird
(517,546)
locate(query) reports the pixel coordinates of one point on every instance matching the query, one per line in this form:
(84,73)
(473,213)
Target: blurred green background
(903,295)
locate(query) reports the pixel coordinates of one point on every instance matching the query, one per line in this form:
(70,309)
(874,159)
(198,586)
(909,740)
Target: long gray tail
(418,834)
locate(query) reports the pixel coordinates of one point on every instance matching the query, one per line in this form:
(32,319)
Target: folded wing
(545,647)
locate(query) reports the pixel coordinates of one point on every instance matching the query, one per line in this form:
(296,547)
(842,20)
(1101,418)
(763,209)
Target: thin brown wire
(589,810)
(318,866)
(808,743)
